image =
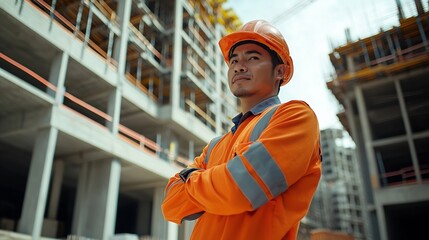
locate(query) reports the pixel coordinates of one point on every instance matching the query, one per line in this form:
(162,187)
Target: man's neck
(246,106)
(249,103)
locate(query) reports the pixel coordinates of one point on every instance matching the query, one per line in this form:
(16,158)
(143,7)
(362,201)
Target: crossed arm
(259,172)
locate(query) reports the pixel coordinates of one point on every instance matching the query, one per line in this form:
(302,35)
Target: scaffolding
(387,53)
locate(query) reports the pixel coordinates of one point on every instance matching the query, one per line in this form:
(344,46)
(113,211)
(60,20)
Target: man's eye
(232,61)
(253,58)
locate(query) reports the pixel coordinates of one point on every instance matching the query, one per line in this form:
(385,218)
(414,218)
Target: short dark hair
(275,58)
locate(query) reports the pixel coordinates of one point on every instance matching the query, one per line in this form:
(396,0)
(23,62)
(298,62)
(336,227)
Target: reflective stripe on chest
(255,134)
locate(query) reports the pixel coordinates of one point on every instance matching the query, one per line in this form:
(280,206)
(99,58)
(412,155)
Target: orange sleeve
(286,151)
(176,206)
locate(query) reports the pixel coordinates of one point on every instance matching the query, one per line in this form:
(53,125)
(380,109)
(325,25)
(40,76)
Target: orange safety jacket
(254,184)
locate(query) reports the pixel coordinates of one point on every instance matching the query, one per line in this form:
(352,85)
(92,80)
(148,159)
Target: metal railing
(70,27)
(404,175)
(125,133)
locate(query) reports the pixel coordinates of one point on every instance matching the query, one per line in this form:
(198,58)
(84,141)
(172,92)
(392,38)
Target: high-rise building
(101,102)
(381,81)
(336,205)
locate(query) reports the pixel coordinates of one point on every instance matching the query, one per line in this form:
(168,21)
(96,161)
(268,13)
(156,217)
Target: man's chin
(241,94)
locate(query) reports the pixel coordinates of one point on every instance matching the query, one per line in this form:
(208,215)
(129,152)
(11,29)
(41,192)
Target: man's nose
(240,67)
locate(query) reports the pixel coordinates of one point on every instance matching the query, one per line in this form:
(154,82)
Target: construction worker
(257,180)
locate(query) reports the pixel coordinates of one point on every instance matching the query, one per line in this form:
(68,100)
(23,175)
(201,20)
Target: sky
(312,29)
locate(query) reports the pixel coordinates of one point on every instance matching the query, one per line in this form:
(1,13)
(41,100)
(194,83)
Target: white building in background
(337,204)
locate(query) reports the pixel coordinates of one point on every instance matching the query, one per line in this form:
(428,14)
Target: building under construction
(382,83)
(101,102)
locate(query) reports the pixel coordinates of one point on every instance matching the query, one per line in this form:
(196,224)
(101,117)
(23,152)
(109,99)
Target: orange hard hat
(263,32)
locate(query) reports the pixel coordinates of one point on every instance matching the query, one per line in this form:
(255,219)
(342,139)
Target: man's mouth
(240,77)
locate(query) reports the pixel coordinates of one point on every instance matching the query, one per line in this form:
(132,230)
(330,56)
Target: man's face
(251,73)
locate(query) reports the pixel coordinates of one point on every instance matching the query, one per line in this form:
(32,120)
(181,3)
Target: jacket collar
(257,109)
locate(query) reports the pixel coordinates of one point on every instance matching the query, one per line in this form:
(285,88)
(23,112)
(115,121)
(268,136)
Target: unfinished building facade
(382,83)
(101,102)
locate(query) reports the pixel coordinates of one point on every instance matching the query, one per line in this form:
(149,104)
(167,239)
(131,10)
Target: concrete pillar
(177,55)
(381,218)
(371,160)
(161,229)
(80,199)
(57,181)
(164,141)
(160,152)
(120,48)
(50,224)
(365,189)
(350,64)
(120,55)
(366,132)
(192,98)
(96,205)
(36,190)
(57,76)
(112,198)
(114,109)
(408,130)
(191,152)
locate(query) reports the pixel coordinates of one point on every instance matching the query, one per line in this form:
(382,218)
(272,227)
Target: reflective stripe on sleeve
(266,168)
(248,186)
(210,147)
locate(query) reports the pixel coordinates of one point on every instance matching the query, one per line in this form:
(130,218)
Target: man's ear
(279,71)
